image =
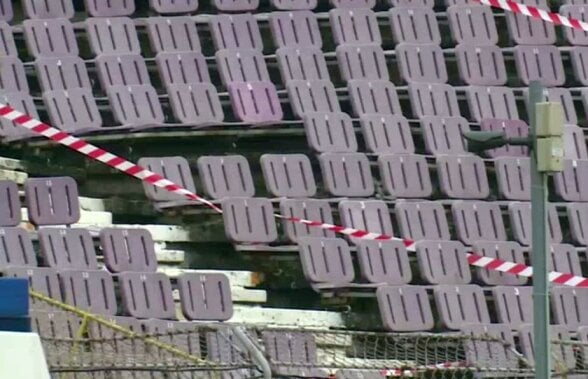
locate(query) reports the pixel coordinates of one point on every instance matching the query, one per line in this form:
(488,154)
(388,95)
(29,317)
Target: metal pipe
(256,353)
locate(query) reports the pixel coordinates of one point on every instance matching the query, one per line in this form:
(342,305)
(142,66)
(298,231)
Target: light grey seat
(514,178)
(384,133)
(354,26)
(405,308)
(295,29)
(444,135)
(173,34)
(101,31)
(520,216)
(288,175)
(239,31)
(478,221)
(249,220)
(302,63)
(226,176)
(433,100)
(514,305)
(347,174)
(414,25)
(459,305)
(330,132)
(369,97)
(405,175)
(443,262)
(362,62)
(462,176)
(422,220)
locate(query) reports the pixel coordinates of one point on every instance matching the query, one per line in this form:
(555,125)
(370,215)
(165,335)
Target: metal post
(539,250)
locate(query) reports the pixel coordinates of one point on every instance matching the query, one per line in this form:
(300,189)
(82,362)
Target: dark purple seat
(135,105)
(362,62)
(491,103)
(490,346)
(241,65)
(520,222)
(121,70)
(16,248)
(48,9)
(176,169)
(7,45)
(326,261)
(514,305)
(50,38)
(562,355)
(572,183)
(478,221)
(6,11)
(405,175)
(352,4)
(255,102)
(10,214)
(443,262)
(471,24)
(62,73)
(512,128)
(422,220)
(295,29)
(416,25)
(330,132)
(302,63)
(541,63)
(421,63)
(459,305)
(577,214)
(104,8)
(386,133)
(147,295)
(90,290)
(128,250)
(347,174)
(22,102)
(249,220)
(444,135)
(433,100)
(70,248)
(462,176)
(405,308)
(288,175)
(52,201)
(173,34)
(12,75)
(172,6)
(369,215)
(205,296)
(354,26)
(196,104)
(292,353)
(384,262)
(101,30)
(182,67)
(481,65)
(368,97)
(312,96)
(514,178)
(73,110)
(238,31)
(506,251)
(226,176)
(525,30)
(41,279)
(306,209)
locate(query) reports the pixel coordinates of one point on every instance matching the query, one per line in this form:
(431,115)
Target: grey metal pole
(539,250)
(256,353)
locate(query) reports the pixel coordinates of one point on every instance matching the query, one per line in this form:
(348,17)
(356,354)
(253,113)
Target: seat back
(288,175)
(421,63)
(101,32)
(330,132)
(326,260)
(175,169)
(384,262)
(512,128)
(481,65)
(300,29)
(386,133)
(312,96)
(196,104)
(226,176)
(62,73)
(302,63)
(525,30)
(16,248)
(490,346)
(255,102)
(462,176)
(505,251)
(306,209)
(205,296)
(185,67)
(520,222)
(514,178)
(414,25)
(405,308)
(68,248)
(471,24)
(405,175)
(128,250)
(50,38)
(52,201)
(378,96)
(110,9)
(355,26)
(249,220)
(443,262)
(347,174)
(478,221)
(241,65)
(12,75)
(73,110)
(539,63)
(91,290)
(136,105)
(10,214)
(444,135)
(422,220)
(121,70)
(173,7)
(514,305)
(7,45)
(461,304)
(370,215)
(492,103)
(362,62)
(235,32)
(173,34)
(147,295)
(433,100)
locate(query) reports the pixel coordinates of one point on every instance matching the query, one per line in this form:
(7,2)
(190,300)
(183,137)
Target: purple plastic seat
(512,128)
(7,45)
(575,36)
(39,9)
(147,295)
(362,62)
(579,58)
(370,215)
(55,324)
(433,100)
(122,70)
(241,65)
(564,258)
(6,11)
(359,374)
(128,250)
(443,262)
(101,32)
(249,220)
(12,76)
(302,63)
(572,183)
(173,34)
(562,355)
(568,305)
(183,334)
(378,96)
(105,8)
(330,132)
(306,209)
(226,176)
(326,261)
(416,25)
(577,214)
(481,65)
(490,346)
(292,353)
(478,221)
(44,280)
(73,110)
(514,305)
(525,30)
(386,133)
(196,104)
(52,201)
(183,67)
(514,178)
(541,63)
(412,3)
(462,176)
(506,251)
(22,102)
(50,38)
(108,342)
(384,262)
(62,73)
(472,24)
(422,63)
(295,29)
(347,174)
(355,26)
(312,96)
(574,143)
(405,308)
(520,222)
(444,135)
(491,103)
(353,3)
(461,304)
(70,248)
(405,175)
(294,5)
(235,32)
(9,204)
(205,296)
(422,220)
(172,6)
(135,105)
(559,95)
(288,175)
(236,5)
(16,248)
(90,290)
(255,102)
